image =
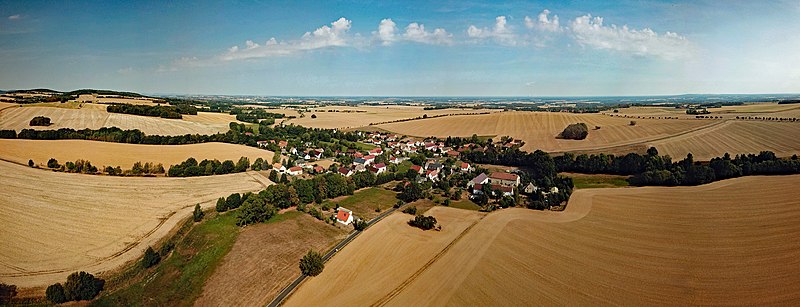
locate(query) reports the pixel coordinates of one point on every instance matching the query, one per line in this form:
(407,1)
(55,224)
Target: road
(288,290)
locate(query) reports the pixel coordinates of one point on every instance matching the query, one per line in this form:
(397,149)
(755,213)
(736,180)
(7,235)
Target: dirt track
(729,242)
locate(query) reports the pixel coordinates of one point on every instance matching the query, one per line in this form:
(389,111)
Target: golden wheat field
(94,118)
(354,117)
(734,137)
(539,129)
(381,259)
(58,223)
(122,155)
(730,242)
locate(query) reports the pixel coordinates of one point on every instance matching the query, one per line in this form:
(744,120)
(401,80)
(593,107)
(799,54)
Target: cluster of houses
(303,158)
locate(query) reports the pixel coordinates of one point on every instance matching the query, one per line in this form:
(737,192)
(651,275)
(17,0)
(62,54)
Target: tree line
(153,111)
(255,115)
(191,167)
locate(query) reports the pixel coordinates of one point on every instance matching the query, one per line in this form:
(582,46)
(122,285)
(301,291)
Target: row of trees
(191,167)
(654,169)
(255,115)
(154,111)
(78,287)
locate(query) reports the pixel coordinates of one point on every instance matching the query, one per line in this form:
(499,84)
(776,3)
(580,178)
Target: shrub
(360,225)
(410,210)
(30,163)
(82,286)
(53,163)
(40,121)
(312,264)
(55,293)
(7,292)
(150,258)
(313,115)
(222,205)
(423,222)
(633,123)
(577,131)
(198,213)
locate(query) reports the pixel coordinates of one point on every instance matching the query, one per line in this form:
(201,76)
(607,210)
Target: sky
(403,48)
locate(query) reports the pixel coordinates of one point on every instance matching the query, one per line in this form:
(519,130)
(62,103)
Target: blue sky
(408,48)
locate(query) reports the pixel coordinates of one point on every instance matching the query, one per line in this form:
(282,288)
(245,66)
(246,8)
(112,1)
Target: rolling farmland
(354,117)
(121,154)
(92,118)
(539,129)
(57,223)
(641,246)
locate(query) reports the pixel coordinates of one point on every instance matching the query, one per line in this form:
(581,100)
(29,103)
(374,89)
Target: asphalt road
(288,290)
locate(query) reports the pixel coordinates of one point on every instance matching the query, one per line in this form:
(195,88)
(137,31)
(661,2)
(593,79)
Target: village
(429,163)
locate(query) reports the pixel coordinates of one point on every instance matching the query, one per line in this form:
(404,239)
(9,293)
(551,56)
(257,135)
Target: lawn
(178,280)
(464,204)
(587,181)
(364,202)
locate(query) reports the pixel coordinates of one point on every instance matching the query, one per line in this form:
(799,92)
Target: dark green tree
(312,264)
(55,294)
(82,286)
(198,213)
(150,258)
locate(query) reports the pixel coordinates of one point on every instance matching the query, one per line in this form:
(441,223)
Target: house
(378,168)
(465,167)
(358,155)
(395,160)
(344,216)
(293,150)
(345,172)
(530,188)
(283,144)
(480,179)
(370,159)
(359,161)
(319,169)
(430,146)
(432,175)
(295,170)
(506,179)
(376,151)
(452,153)
(505,190)
(433,166)
(262,143)
(360,168)
(278,167)
(315,153)
(416,168)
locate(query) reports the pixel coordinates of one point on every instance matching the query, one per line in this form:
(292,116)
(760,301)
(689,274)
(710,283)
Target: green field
(587,181)
(465,204)
(178,280)
(364,202)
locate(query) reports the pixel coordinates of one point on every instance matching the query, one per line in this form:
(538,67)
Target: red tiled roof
(452,153)
(342,215)
(380,165)
(464,165)
(295,168)
(416,167)
(504,176)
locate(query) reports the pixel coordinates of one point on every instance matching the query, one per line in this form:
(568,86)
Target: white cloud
(544,22)
(414,32)
(501,32)
(15,17)
(334,35)
(386,31)
(590,31)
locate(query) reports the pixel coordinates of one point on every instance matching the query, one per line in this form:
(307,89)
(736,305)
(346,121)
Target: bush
(312,264)
(360,225)
(150,258)
(30,163)
(410,210)
(577,131)
(198,213)
(222,206)
(55,293)
(423,222)
(40,121)
(82,286)
(7,292)
(633,123)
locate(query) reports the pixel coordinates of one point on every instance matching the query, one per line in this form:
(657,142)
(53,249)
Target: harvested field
(264,260)
(57,223)
(121,154)
(539,129)
(19,118)
(734,137)
(354,117)
(381,259)
(634,246)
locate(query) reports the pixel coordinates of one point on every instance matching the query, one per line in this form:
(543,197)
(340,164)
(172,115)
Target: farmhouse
(278,167)
(344,216)
(506,179)
(480,179)
(505,190)
(295,171)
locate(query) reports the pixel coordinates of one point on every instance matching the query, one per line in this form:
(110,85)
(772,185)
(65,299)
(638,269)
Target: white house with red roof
(416,168)
(378,168)
(370,159)
(345,171)
(376,151)
(506,179)
(278,167)
(295,171)
(465,167)
(432,175)
(344,216)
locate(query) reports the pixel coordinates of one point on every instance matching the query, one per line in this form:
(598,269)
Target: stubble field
(57,223)
(354,117)
(123,155)
(726,243)
(95,118)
